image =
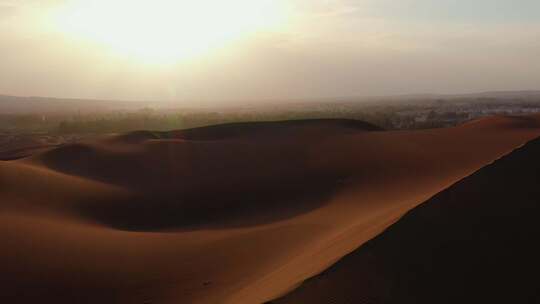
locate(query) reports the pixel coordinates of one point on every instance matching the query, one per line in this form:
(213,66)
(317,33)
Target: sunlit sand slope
(475,242)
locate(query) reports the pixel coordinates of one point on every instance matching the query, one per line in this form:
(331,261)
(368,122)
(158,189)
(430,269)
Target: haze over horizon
(297,49)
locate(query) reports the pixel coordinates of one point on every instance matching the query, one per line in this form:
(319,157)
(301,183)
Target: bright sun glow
(165,31)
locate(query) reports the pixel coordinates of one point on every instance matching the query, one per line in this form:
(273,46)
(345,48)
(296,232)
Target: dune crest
(474,242)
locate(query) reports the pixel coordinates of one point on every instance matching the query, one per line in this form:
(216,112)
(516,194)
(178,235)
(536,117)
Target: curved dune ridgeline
(475,242)
(239,213)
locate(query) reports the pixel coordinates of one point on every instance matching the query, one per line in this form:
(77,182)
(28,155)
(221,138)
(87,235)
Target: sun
(166,31)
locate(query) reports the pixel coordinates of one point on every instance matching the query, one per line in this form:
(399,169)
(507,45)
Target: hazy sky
(266,49)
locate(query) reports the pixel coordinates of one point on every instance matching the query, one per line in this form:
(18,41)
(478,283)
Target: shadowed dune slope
(475,242)
(268,129)
(244,173)
(238,213)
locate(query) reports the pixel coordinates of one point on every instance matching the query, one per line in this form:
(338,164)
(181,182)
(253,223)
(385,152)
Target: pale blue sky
(477,11)
(328,48)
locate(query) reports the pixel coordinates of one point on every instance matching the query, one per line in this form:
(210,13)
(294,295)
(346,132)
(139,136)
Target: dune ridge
(473,242)
(213,216)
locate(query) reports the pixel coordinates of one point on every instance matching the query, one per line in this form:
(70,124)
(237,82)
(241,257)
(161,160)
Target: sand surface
(475,242)
(238,213)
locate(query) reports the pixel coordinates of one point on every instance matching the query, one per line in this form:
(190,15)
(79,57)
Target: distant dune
(240,213)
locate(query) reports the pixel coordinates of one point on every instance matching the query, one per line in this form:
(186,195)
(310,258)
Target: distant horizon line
(294,99)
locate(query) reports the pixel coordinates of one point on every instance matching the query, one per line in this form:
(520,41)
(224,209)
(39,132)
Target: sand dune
(475,242)
(236,213)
